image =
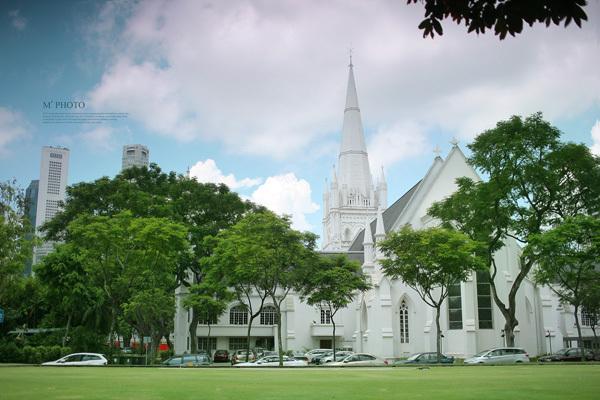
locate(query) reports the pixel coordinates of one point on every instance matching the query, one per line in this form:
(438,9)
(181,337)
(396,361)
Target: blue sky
(251,93)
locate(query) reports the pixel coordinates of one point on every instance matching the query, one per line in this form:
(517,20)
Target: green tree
(332,284)
(430,261)
(533,181)
(567,258)
(273,254)
(208,300)
(123,255)
(150,312)
(504,16)
(68,288)
(15,249)
(203,209)
(591,305)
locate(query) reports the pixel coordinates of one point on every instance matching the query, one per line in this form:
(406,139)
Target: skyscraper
(135,155)
(52,187)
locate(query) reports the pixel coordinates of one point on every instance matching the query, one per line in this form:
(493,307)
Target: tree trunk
(248,335)
(279,343)
(333,338)
(66,335)
(193,332)
(208,347)
(509,332)
(579,336)
(438,332)
(154,346)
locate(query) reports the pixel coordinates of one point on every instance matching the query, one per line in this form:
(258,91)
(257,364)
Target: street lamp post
(549,340)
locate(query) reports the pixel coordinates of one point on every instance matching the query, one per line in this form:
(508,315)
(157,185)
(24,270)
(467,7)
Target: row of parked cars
(500,355)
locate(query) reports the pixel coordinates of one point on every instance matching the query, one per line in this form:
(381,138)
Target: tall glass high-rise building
(54,169)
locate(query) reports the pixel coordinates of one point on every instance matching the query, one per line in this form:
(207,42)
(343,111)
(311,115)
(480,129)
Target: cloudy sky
(251,93)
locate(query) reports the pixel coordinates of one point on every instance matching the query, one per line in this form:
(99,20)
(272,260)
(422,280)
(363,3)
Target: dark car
(572,354)
(187,360)
(426,358)
(221,356)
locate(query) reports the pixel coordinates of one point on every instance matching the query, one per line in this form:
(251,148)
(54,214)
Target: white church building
(390,320)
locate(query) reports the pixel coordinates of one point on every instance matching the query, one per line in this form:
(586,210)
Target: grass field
(484,382)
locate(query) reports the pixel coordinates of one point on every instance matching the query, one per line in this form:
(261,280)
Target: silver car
(500,355)
(359,359)
(79,359)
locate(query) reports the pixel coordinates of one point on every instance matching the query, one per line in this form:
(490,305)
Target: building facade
(135,155)
(54,170)
(390,320)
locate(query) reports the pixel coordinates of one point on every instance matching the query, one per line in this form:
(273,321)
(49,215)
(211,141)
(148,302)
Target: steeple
(353,159)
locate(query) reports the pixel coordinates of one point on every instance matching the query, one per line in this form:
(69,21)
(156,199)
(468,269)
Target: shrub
(10,353)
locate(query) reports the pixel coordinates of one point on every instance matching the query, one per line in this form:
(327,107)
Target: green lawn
(491,382)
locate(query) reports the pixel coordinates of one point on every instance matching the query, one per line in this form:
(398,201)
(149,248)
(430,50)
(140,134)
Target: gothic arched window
(404,322)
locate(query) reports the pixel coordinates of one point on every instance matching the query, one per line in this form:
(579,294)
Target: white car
(80,359)
(359,359)
(501,355)
(315,352)
(273,361)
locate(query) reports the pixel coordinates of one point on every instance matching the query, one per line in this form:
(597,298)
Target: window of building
(403,322)
(55,155)
(484,300)
(206,319)
(454,307)
(238,315)
(587,318)
(325,316)
(238,343)
(268,315)
(207,344)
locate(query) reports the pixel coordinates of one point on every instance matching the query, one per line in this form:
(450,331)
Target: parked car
(339,356)
(187,360)
(310,355)
(572,354)
(80,359)
(240,356)
(426,358)
(273,361)
(359,359)
(221,356)
(501,355)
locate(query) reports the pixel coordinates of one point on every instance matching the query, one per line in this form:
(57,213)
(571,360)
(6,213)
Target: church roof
(390,215)
(352,255)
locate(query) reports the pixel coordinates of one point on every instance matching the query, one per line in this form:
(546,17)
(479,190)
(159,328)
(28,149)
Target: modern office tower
(135,155)
(31,197)
(52,187)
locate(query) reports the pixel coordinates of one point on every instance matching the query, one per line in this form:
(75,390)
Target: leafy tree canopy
(504,16)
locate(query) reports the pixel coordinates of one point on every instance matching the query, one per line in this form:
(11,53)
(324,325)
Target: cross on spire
(454,141)
(437,151)
(350,53)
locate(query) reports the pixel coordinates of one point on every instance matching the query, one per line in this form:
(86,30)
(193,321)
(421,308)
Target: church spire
(353,159)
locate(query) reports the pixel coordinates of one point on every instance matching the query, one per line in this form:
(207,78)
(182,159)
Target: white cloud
(269,79)
(18,22)
(286,194)
(13,126)
(207,171)
(595,148)
(396,143)
(99,138)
